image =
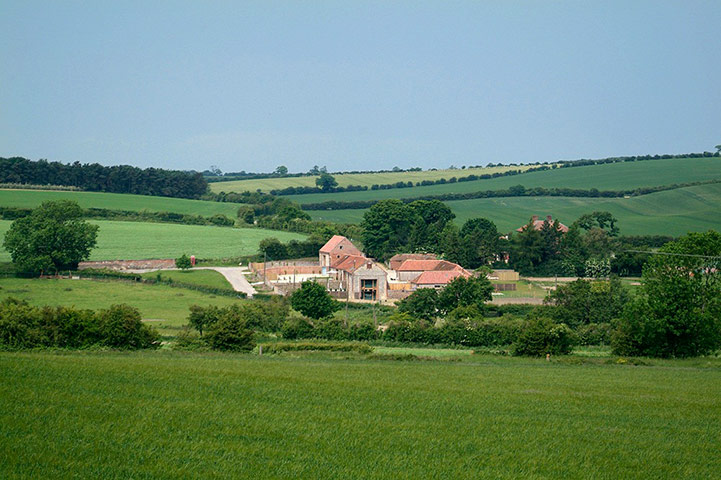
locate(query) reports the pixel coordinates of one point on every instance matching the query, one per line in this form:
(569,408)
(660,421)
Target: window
(369,289)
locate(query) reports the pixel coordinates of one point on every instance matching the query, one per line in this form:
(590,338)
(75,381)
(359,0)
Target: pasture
(364,179)
(613,176)
(139,240)
(205,278)
(166,307)
(673,212)
(180,415)
(118,201)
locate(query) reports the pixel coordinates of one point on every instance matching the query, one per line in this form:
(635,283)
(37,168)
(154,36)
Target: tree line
(99,178)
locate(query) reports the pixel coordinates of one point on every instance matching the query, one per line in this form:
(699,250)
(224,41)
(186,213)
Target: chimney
(369,265)
(535,217)
(549,218)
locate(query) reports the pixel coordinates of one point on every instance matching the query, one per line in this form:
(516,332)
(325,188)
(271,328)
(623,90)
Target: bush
(594,334)
(183,262)
(314,301)
(540,336)
(121,327)
(231,332)
(317,346)
(25,326)
(189,340)
(297,328)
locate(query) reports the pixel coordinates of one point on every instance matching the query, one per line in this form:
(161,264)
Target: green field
(118,201)
(673,212)
(206,278)
(177,415)
(163,305)
(368,179)
(614,176)
(138,240)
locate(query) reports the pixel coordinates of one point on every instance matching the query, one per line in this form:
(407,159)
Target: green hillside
(672,212)
(612,176)
(138,240)
(368,179)
(118,201)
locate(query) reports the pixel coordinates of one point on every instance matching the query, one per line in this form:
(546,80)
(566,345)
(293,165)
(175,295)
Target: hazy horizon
(367,86)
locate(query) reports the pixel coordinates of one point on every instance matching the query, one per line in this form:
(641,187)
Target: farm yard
(139,240)
(672,212)
(170,415)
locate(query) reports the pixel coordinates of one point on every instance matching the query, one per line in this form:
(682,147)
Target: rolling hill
(612,176)
(672,212)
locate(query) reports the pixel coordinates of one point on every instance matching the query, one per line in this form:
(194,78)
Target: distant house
(410,269)
(335,250)
(538,224)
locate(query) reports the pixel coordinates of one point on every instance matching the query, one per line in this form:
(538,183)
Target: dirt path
(236,277)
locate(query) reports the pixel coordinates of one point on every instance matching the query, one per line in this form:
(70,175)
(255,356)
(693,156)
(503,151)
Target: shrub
(594,334)
(121,327)
(183,262)
(330,329)
(313,300)
(297,328)
(540,336)
(189,340)
(231,333)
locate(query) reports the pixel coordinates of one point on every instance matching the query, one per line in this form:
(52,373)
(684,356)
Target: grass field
(173,415)
(138,240)
(673,212)
(206,278)
(368,179)
(165,306)
(118,201)
(615,176)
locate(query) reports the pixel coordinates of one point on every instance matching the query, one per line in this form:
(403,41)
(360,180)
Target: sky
(364,85)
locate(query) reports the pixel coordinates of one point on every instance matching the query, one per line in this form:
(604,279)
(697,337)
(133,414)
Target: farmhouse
(538,224)
(335,250)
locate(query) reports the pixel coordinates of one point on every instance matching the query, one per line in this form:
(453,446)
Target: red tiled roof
(398,259)
(332,243)
(439,277)
(351,263)
(427,265)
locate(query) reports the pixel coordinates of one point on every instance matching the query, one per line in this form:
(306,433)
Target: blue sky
(356,85)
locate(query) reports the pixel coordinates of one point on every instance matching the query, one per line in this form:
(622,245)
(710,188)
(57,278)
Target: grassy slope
(157,302)
(673,212)
(137,240)
(118,201)
(613,176)
(166,415)
(266,184)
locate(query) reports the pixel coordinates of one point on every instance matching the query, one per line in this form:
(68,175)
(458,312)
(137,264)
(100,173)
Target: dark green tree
(421,304)
(326,182)
(386,228)
(313,300)
(677,312)
(583,302)
(183,262)
(464,292)
(430,218)
(281,170)
(52,238)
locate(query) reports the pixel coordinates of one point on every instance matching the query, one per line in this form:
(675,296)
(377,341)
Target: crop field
(181,415)
(164,306)
(139,240)
(614,176)
(368,179)
(118,201)
(673,212)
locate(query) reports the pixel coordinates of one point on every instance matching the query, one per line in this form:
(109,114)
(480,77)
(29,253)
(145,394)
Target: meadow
(118,201)
(205,278)
(180,415)
(613,176)
(139,240)
(672,212)
(164,306)
(366,179)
